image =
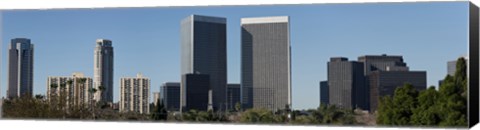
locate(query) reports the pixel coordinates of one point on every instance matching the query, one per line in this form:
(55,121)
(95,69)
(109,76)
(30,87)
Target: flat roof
(270,19)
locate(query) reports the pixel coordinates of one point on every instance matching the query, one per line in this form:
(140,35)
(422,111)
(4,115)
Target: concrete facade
(134,94)
(266,64)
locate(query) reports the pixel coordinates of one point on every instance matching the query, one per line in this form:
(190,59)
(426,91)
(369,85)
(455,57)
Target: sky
(147,40)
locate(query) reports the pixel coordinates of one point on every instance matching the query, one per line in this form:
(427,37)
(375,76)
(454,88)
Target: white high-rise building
(266,65)
(134,94)
(75,89)
(103,70)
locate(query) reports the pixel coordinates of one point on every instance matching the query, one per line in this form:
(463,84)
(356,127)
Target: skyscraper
(75,89)
(20,68)
(171,95)
(266,66)
(134,94)
(233,95)
(194,92)
(103,70)
(346,83)
(203,51)
(324,92)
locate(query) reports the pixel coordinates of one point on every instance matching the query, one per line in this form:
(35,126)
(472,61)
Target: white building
(134,94)
(266,62)
(75,89)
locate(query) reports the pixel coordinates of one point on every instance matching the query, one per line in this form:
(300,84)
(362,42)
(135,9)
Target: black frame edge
(473,97)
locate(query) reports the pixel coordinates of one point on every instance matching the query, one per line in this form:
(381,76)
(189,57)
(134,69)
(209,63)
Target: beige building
(156,96)
(134,94)
(74,89)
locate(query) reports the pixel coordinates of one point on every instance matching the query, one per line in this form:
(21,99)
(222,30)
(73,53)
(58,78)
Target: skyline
(437,24)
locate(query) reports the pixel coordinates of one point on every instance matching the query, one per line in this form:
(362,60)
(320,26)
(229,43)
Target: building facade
(134,94)
(346,83)
(203,50)
(384,83)
(74,89)
(266,65)
(171,95)
(103,70)
(20,68)
(233,95)
(156,97)
(452,66)
(382,62)
(195,93)
(324,93)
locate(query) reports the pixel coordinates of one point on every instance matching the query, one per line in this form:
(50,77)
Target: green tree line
(446,107)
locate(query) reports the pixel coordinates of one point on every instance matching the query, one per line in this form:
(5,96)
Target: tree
(92,91)
(63,99)
(238,107)
(426,113)
(53,96)
(159,111)
(453,100)
(39,97)
(257,115)
(446,107)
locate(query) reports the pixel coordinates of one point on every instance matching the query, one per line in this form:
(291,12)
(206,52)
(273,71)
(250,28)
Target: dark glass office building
(20,68)
(324,92)
(171,95)
(346,82)
(383,83)
(266,62)
(203,51)
(194,92)
(233,95)
(382,62)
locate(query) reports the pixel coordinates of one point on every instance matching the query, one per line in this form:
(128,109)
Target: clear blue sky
(146,40)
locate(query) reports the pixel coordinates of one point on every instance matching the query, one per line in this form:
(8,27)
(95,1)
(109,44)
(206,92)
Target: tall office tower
(233,95)
(382,63)
(324,92)
(20,68)
(103,70)
(156,97)
(171,95)
(383,83)
(75,89)
(203,50)
(346,83)
(194,92)
(134,94)
(266,62)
